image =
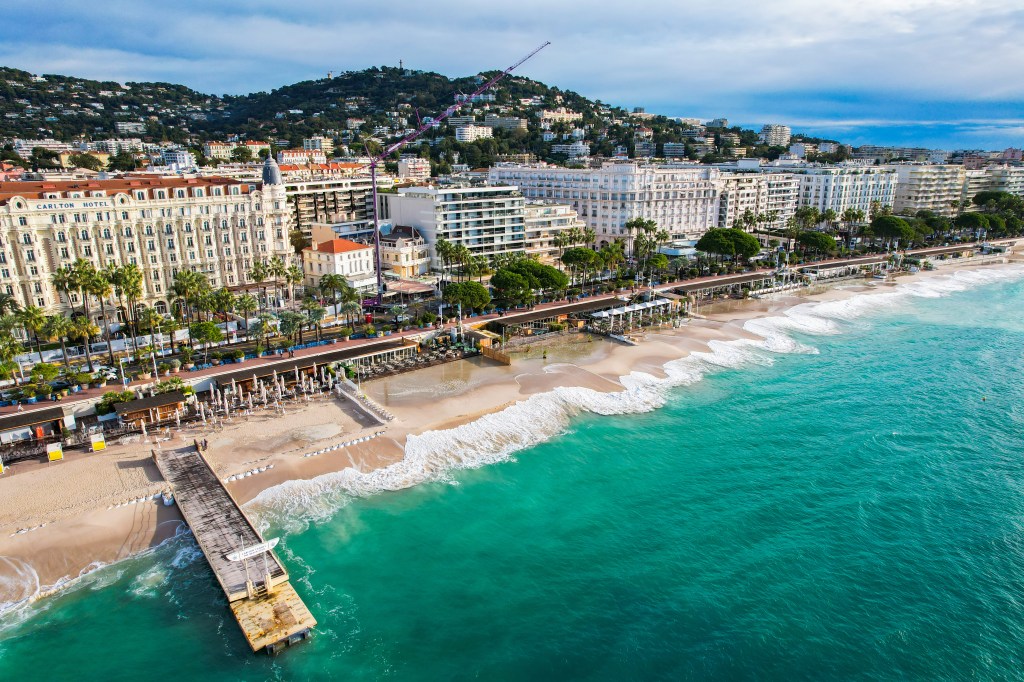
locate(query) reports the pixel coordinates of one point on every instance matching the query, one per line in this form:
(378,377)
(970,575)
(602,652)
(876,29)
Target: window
(170,244)
(22,220)
(106,233)
(30,256)
(168,229)
(33,270)
(61,238)
(87,251)
(130,247)
(85,234)
(124,215)
(37,287)
(109,248)
(128,232)
(40,301)
(26,239)
(64,252)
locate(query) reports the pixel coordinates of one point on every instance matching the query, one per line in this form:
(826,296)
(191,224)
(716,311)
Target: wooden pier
(254,580)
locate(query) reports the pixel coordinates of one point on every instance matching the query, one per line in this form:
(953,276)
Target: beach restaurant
(33,425)
(151,409)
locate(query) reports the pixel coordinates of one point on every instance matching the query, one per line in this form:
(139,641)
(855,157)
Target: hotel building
(680,199)
(215,226)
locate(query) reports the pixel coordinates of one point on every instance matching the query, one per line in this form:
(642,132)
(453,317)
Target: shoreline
(440,412)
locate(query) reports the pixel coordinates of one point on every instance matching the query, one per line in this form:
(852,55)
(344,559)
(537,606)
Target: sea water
(842,501)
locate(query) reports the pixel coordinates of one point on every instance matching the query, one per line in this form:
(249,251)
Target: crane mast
(423,127)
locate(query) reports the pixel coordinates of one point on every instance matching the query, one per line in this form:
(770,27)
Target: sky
(935,73)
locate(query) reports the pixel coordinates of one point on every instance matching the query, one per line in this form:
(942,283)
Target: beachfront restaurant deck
(32,425)
(634,314)
(151,409)
(732,284)
(538,321)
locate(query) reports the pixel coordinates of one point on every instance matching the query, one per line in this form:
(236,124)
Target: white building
(301,156)
(762,194)
(544,222)
(472,133)
(775,135)
(180,158)
(487,220)
(404,252)
(319,143)
(843,187)
(351,260)
(559,115)
(215,226)
(937,188)
(680,199)
(574,150)
(413,168)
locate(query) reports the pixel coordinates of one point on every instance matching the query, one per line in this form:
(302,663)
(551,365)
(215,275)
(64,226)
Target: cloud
(732,57)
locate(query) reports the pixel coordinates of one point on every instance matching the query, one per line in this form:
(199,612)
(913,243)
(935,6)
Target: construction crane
(394,147)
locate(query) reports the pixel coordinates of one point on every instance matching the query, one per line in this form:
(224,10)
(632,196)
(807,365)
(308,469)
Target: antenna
(423,127)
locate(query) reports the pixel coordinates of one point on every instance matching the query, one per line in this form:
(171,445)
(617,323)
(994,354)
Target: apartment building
(937,188)
(413,168)
(846,187)
(224,150)
(329,199)
(775,135)
(680,199)
(487,220)
(544,222)
(508,123)
(319,143)
(472,133)
(216,226)
(763,194)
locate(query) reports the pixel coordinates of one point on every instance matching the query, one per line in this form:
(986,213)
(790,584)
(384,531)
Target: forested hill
(382,102)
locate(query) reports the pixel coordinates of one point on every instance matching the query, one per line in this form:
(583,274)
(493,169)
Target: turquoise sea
(845,501)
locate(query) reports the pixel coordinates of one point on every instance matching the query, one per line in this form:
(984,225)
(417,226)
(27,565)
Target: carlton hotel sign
(72,205)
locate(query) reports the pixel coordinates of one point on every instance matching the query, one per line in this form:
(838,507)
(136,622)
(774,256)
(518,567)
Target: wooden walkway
(266,606)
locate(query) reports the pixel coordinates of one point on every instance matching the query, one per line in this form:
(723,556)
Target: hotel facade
(214,226)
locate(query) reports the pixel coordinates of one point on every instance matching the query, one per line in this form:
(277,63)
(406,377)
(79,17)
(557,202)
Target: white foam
(435,455)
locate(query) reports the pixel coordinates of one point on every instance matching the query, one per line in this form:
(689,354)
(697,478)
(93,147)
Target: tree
(58,327)
(246,305)
(293,276)
(32,321)
(87,161)
(314,313)
(61,279)
(728,242)
(972,222)
(817,242)
(151,319)
(206,333)
(510,287)
(258,273)
(290,323)
(277,269)
(469,294)
(241,154)
(298,240)
(122,161)
(84,330)
(99,286)
(890,228)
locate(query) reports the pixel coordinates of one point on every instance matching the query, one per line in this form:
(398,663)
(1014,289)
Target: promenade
(357,347)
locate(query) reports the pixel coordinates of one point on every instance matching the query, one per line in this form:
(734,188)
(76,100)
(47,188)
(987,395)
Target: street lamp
(124,376)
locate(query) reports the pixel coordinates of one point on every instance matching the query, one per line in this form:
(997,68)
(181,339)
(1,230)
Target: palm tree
(224,302)
(80,277)
(99,286)
(332,284)
(246,305)
(127,282)
(278,270)
(443,249)
(83,329)
(293,276)
(8,304)
(258,274)
(351,308)
(59,327)
(151,319)
(32,320)
(461,255)
(314,313)
(61,280)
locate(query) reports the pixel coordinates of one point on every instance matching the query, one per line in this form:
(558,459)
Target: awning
(405,286)
(21,420)
(150,402)
(633,308)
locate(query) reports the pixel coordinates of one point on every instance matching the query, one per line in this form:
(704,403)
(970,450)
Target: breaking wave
(434,456)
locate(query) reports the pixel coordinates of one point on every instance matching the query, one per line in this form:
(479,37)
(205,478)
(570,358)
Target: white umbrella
(144,434)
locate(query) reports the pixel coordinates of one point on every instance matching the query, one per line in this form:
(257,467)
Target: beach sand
(68,510)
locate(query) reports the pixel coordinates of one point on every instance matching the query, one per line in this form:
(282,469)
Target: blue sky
(941,73)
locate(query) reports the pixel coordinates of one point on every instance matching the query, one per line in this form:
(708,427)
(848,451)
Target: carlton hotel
(216,226)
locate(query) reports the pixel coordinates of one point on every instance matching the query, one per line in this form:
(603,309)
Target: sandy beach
(62,520)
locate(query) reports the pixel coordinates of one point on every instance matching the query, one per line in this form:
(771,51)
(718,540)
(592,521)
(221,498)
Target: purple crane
(424,127)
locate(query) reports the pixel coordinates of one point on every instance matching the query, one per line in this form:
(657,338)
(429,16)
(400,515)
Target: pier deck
(267,608)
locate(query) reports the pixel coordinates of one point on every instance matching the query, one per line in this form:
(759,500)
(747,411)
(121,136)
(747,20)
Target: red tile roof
(36,190)
(339,246)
